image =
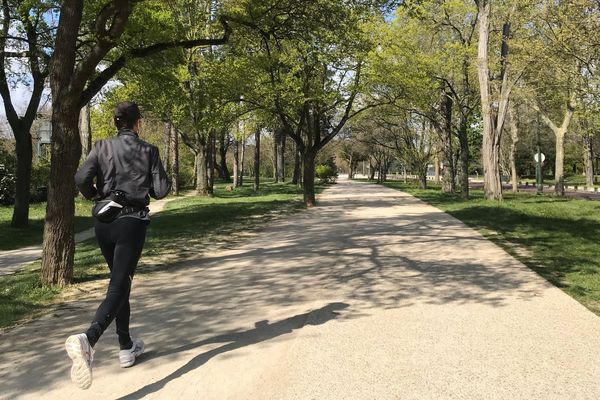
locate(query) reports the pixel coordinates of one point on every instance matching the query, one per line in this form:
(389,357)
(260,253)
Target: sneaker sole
(81,373)
(130,363)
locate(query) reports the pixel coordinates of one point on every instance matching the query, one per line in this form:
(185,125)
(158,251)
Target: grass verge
(556,237)
(14,238)
(188,226)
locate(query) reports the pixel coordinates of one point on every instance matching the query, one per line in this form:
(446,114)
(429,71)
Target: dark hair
(126,114)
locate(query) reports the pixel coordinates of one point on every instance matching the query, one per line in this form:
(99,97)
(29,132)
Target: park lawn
(558,238)
(15,238)
(188,226)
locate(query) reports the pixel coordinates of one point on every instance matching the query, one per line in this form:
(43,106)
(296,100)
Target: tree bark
(514,136)
(463,177)
(59,243)
(297,178)
(211,162)
(236,163)
(223,145)
(20,217)
(167,141)
(588,159)
(174,160)
(559,165)
(491,132)
(449,174)
(423,178)
(85,128)
(436,167)
(257,160)
(280,136)
(201,171)
(309,178)
(242,157)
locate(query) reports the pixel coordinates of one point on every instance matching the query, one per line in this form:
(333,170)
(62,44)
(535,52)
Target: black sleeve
(84,178)
(161,185)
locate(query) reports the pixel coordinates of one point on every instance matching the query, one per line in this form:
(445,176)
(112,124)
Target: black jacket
(125,163)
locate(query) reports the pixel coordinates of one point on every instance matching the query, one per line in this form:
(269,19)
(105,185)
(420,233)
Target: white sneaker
(79,350)
(127,357)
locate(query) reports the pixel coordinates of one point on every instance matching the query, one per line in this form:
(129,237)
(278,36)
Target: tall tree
(494,100)
(90,35)
(310,68)
(25,46)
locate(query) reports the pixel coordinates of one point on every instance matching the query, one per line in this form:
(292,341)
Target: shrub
(8,163)
(7,185)
(40,175)
(326,173)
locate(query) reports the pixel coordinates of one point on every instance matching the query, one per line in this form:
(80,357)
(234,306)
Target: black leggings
(121,242)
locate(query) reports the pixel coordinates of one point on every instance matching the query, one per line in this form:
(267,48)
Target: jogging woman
(130,167)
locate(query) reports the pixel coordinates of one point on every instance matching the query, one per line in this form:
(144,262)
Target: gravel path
(372,295)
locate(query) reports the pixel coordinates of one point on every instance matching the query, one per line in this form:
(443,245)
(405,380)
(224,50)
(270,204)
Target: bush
(326,173)
(40,175)
(7,186)
(8,163)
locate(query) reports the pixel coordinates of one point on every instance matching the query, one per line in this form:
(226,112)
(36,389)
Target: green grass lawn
(558,238)
(188,226)
(14,238)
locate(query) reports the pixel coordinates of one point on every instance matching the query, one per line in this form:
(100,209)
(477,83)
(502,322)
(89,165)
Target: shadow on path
(263,331)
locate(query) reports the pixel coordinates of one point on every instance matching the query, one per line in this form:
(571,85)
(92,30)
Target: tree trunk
(257,161)
(85,129)
(309,178)
(423,178)
(174,160)
(436,167)
(371,171)
(20,217)
(225,175)
(559,173)
(559,133)
(59,243)
(491,143)
(236,163)
(280,136)
(463,177)
(242,158)
(588,158)
(167,141)
(297,178)
(514,136)
(449,174)
(211,161)
(201,173)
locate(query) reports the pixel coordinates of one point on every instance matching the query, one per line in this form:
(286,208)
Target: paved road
(372,295)
(13,260)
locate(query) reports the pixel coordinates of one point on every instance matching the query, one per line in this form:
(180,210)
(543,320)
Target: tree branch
(107,74)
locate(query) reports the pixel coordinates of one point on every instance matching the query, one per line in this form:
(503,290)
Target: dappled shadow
(369,248)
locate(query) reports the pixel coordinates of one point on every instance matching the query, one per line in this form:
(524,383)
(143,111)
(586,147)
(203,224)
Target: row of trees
(293,67)
(439,80)
(475,77)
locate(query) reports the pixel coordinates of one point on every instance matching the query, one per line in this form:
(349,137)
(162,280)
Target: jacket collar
(127,132)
